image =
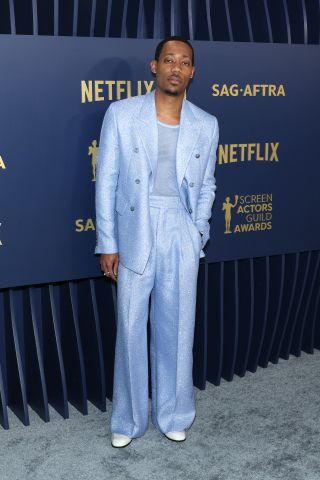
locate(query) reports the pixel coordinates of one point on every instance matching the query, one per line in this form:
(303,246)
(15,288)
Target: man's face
(174,68)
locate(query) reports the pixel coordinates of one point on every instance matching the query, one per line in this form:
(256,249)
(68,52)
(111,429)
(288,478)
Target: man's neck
(168,107)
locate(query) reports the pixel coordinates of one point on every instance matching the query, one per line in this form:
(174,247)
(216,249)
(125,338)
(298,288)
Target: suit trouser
(170,276)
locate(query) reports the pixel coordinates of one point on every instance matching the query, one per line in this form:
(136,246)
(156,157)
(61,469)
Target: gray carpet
(263,426)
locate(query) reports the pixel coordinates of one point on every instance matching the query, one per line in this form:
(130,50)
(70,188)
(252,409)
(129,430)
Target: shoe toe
(120,440)
(176,436)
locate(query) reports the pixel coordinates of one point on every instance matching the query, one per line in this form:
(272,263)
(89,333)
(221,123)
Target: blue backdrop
(53,95)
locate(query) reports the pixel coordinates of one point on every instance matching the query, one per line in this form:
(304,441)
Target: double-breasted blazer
(125,174)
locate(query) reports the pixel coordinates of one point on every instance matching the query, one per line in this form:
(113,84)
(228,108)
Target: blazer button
(137,180)
(136,149)
(197,155)
(190,210)
(132,208)
(191,184)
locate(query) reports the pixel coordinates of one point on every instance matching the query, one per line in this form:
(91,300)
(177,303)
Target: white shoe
(120,440)
(176,436)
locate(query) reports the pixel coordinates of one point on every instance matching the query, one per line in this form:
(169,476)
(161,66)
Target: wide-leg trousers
(170,277)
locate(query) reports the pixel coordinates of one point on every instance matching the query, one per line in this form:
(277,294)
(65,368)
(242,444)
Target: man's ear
(153,66)
(192,73)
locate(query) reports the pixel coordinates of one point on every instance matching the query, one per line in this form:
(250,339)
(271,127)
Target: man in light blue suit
(155,187)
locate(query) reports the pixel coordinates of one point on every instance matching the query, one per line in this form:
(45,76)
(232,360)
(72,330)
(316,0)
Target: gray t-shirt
(166,178)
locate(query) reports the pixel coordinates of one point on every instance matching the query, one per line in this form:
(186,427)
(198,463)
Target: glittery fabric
(170,277)
(126,166)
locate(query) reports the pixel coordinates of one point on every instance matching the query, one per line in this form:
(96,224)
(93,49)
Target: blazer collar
(147,129)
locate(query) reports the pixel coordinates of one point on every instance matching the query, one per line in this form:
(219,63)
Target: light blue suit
(159,245)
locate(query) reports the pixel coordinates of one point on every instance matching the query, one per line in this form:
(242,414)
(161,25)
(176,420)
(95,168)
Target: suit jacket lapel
(188,135)
(147,128)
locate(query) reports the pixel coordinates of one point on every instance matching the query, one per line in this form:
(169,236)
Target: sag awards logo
(2,164)
(248,152)
(248,213)
(93,152)
(84,225)
(109,90)
(247,90)
(81,224)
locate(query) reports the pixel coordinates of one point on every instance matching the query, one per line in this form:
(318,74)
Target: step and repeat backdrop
(53,95)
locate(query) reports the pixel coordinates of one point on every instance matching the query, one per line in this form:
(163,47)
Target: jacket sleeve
(207,191)
(107,173)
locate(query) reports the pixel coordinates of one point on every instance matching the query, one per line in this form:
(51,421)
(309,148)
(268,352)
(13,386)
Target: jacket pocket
(121,203)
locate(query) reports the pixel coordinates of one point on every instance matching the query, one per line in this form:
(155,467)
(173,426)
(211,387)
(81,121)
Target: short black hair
(169,39)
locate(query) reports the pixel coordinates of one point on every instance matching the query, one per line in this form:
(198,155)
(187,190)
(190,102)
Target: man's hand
(109,263)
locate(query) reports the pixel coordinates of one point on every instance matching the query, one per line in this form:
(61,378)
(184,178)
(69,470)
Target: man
(154,192)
